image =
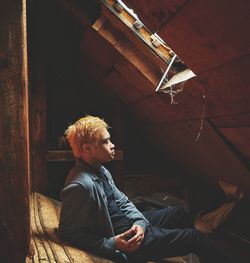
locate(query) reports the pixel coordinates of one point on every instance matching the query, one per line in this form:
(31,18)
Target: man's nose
(112,146)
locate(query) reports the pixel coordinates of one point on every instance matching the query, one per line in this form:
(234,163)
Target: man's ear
(86,148)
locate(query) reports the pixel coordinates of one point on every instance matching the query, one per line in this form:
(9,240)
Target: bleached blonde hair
(82,131)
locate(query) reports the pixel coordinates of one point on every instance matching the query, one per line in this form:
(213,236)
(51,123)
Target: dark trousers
(170,233)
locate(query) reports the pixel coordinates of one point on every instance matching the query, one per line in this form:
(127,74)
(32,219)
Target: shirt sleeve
(76,221)
(141,223)
(128,208)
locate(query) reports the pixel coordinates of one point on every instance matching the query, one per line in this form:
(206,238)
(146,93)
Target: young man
(96,216)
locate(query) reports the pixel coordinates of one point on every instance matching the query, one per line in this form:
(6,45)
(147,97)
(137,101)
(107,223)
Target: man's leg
(161,243)
(170,217)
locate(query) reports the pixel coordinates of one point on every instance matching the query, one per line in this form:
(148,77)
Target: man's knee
(182,209)
(184,215)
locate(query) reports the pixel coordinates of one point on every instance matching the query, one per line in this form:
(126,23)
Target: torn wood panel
(120,43)
(140,37)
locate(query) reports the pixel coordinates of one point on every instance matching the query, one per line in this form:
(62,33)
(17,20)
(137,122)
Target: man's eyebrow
(106,138)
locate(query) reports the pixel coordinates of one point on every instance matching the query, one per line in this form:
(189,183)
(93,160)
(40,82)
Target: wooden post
(14,133)
(38,40)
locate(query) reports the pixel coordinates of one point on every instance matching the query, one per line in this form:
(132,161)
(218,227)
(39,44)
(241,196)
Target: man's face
(102,149)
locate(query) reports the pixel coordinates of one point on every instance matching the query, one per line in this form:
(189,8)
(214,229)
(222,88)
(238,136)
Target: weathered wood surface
(155,13)
(46,246)
(209,34)
(14,134)
(37,91)
(55,156)
(239,137)
(209,157)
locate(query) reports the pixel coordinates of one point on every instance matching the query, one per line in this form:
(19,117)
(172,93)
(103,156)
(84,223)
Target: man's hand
(136,235)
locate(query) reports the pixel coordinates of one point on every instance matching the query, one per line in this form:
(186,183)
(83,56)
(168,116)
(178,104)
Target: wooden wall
(209,37)
(112,62)
(78,69)
(14,134)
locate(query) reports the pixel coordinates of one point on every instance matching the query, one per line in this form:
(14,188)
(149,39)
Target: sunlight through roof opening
(177,72)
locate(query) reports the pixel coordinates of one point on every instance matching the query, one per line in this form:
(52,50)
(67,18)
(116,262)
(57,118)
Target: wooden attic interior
(80,58)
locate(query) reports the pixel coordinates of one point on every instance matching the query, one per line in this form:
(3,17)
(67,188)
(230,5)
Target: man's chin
(109,159)
(112,158)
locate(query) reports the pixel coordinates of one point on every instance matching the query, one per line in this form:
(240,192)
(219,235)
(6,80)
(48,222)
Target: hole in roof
(176,72)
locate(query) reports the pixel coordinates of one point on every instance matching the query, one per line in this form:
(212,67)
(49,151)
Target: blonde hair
(84,131)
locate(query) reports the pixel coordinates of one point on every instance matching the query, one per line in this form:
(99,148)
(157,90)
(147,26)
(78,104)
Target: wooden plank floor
(45,245)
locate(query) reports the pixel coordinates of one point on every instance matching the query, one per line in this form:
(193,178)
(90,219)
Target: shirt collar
(94,173)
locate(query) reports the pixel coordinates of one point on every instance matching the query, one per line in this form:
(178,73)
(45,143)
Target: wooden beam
(60,156)
(140,36)
(38,92)
(130,52)
(14,134)
(67,156)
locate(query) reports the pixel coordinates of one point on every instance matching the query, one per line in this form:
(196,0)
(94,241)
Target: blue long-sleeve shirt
(84,219)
